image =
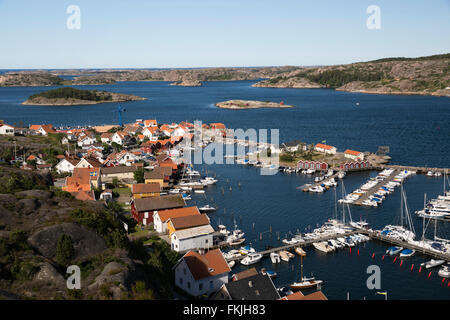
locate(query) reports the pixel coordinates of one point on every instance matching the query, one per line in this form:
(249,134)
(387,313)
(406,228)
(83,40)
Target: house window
(189,285)
(181,280)
(206,241)
(210,285)
(200,286)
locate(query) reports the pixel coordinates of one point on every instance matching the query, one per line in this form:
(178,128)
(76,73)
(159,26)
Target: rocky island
(250,104)
(70,96)
(187,83)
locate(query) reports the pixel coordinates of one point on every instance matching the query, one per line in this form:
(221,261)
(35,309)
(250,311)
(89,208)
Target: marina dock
(374,235)
(375,188)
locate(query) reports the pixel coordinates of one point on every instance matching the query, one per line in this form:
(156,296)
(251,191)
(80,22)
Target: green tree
(139,175)
(64,250)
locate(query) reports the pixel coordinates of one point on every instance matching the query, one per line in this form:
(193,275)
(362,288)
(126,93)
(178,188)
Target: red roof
(207,265)
(324,146)
(352,152)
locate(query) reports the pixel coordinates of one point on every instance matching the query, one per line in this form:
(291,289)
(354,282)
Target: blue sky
(209,33)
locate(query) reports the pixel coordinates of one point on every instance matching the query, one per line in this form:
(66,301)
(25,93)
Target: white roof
(194,232)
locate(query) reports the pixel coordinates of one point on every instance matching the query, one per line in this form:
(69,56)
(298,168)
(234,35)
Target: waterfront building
(325,148)
(142,210)
(353,155)
(144,190)
(176,224)
(201,274)
(255,287)
(161,218)
(193,238)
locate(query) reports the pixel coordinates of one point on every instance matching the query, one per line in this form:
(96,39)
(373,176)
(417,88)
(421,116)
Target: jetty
(375,188)
(374,235)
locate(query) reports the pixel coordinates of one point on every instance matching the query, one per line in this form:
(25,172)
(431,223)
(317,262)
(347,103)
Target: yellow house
(155,176)
(180,223)
(145,190)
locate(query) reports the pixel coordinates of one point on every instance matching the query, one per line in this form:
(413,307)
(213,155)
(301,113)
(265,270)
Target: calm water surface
(416,128)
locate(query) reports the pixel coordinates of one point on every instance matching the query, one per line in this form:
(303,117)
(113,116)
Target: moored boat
(444,272)
(407,253)
(275,257)
(394,250)
(306,283)
(251,258)
(432,263)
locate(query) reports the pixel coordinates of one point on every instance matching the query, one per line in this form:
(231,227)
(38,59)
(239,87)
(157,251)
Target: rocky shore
(187,83)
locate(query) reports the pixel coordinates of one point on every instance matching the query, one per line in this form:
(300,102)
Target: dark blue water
(265,201)
(416,128)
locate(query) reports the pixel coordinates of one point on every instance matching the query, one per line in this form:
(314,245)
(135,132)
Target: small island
(250,104)
(187,83)
(70,96)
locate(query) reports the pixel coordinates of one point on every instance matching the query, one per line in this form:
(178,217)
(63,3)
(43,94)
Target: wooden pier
(399,243)
(300,244)
(423,170)
(375,188)
(374,235)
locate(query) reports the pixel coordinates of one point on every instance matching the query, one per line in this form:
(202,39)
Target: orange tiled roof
(352,152)
(324,146)
(207,265)
(180,212)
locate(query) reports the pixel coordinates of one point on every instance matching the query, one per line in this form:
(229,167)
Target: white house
(325,148)
(150,134)
(66,165)
(161,218)
(86,141)
(106,137)
(6,129)
(192,238)
(354,155)
(201,274)
(88,163)
(119,138)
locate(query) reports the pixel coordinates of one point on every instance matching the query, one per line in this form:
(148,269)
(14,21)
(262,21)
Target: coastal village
(141,166)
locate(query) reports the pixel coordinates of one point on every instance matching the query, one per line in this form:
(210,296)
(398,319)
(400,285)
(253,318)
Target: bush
(104,223)
(64,250)
(139,175)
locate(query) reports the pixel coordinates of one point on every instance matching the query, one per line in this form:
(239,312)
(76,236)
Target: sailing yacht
(404,232)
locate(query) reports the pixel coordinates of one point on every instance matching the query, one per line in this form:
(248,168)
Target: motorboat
(317,189)
(223,230)
(432,263)
(407,253)
(275,257)
(323,246)
(199,191)
(444,272)
(247,250)
(251,258)
(300,251)
(231,264)
(232,254)
(394,250)
(207,208)
(270,273)
(208,181)
(284,256)
(341,174)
